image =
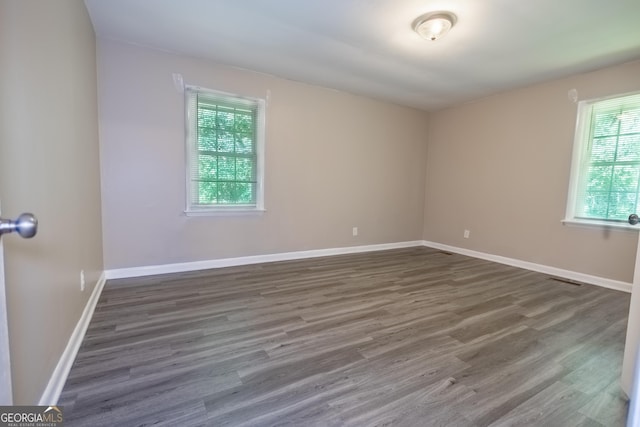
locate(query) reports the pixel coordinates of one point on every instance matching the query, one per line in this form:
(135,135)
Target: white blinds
(610,171)
(223,155)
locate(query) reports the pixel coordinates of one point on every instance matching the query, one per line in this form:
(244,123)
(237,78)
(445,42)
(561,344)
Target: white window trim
(577,160)
(233,210)
(592,223)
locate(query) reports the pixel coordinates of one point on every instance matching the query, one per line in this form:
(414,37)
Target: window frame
(191,153)
(582,137)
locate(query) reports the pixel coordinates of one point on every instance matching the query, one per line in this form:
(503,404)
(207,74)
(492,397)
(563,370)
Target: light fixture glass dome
(433,26)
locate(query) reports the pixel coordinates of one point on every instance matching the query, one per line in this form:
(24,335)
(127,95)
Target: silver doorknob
(634,219)
(26,226)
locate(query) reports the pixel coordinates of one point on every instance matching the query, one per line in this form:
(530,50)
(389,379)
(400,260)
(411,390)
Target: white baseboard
(552,271)
(52,392)
(287,256)
(151,270)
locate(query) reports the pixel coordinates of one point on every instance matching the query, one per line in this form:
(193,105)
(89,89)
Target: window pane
(226,195)
(621,205)
(235,193)
(625,178)
(605,124)
(629,148)
(630,121)
(599,178)
(245,192)
(206,167)
(224,119)
(603,150)
(226,168)
(206,139)
(206,130)
(207,193)
(225,142)
(206,118)
(595,205)
(244,144)
(243,122)
(244,169)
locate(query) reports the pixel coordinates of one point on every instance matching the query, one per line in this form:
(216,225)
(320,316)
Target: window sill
(224,212)
(618,226)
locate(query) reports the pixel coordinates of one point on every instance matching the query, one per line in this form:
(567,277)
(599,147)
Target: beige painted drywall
(49,165)
(333,161)
(500,168)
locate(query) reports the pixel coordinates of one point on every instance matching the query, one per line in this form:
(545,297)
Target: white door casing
(6,395)
(630,380)
(633,329)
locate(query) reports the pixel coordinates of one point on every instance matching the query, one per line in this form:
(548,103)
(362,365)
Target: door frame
(6,390)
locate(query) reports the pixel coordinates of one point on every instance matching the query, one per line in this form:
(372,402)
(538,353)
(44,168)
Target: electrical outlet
(355,231)
(82,281)
(466,234)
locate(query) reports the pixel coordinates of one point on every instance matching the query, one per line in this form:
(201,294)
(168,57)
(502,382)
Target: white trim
(577,157)
(553,271)
(151,270)
(51,394)
(6,391)
(231,211)
(609,225)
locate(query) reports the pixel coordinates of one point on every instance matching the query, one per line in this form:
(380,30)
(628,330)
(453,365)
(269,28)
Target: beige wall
(333,161)
(49,165)
(500,168)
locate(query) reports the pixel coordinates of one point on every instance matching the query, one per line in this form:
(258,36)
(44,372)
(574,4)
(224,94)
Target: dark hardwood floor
(410,337)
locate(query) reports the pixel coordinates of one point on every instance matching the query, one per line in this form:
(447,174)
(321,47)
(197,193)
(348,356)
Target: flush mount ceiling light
(434,25)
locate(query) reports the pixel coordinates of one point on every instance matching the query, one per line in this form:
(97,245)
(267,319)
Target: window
(605,173)
(225,139)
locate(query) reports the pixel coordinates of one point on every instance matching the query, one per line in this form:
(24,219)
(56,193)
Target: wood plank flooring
(410,337)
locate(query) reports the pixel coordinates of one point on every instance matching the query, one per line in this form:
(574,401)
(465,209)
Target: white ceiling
(367,47)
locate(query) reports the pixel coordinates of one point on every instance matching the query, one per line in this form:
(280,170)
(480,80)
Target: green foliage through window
(225,151)
(611,170)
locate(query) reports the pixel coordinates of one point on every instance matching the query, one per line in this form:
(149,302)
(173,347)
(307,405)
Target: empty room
(319,213)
